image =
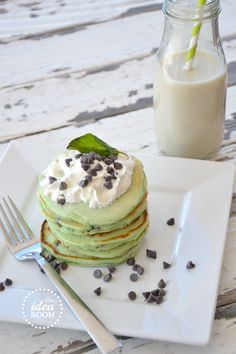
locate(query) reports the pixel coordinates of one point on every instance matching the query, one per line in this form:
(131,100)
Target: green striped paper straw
(194,39)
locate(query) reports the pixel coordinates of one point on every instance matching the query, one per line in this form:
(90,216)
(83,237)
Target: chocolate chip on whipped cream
(108,160)
(118,165)
(61,199)
(108,185)
(68,162)
(52,179)
(80,187)
(63,186)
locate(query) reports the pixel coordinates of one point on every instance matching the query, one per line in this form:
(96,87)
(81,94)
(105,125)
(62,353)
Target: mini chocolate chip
(136,266)
(112,269)
(2,287)
(190,265)
(114,177)
(140,270)
(93,172)
(50,258)
(132,295)
(162,284)
(86,159)
(130,261)
(146,294)
(110,170)
(63,186)
(107,277)
(108,185)
(162,292)
(155,292)
(52,179)
(166,265)
(83,183)
(85,166)
(98,291)
(88,177)
(108,178)
(133,277)
(77,156)
(58,242)
(68,162)
(97,274)
(61,199)
(64,265)
(98,167)
(151,298)
(159,299)
(8,282)
(151,253)
(171,222)
(58,270)
(118,165)
(108,161)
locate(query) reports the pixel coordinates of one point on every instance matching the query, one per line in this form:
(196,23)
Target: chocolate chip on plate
(85,166)
(77,156)
(52,179)
(166,265)
(112,269)
(64,265)
(155,292)
(162,292)
(8,282)
(2,287)
(146,294)
(133,277)
(130,261)
(140,270)
(151,298)
(93,172)
(190,265)
(61,199)
(68,162)
(117,165)
(63,186)
(110,170)
(132,295)
(98,291)
(108,185)
(171,222)
(108,161)
(97,273)
(151,253)
(159,299)
(107,277)
(84,182)
(161,284)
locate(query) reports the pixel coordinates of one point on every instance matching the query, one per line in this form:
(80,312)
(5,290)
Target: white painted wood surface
(72,66)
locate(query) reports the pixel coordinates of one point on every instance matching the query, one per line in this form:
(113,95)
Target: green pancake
(86,236)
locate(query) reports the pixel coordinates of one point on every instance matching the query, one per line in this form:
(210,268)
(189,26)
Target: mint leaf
(89,142)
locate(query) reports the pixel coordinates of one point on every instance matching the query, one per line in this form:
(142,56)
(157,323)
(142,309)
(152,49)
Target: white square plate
(196,193)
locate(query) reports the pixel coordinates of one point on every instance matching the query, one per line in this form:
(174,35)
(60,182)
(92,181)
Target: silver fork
(23,245)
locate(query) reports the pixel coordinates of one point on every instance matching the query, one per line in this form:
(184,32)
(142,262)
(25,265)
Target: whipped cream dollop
(98,181)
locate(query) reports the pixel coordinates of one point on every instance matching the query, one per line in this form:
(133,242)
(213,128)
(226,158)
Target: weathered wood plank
(78,98)
(101,44)
(41,19)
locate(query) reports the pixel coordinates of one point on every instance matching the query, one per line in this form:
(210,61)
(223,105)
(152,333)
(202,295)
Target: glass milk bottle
(189,101)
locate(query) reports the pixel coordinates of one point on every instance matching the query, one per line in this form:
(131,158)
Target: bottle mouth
(189,11)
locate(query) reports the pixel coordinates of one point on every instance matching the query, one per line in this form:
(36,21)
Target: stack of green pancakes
(85,236)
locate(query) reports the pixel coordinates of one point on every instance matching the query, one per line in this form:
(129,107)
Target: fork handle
(106,342)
